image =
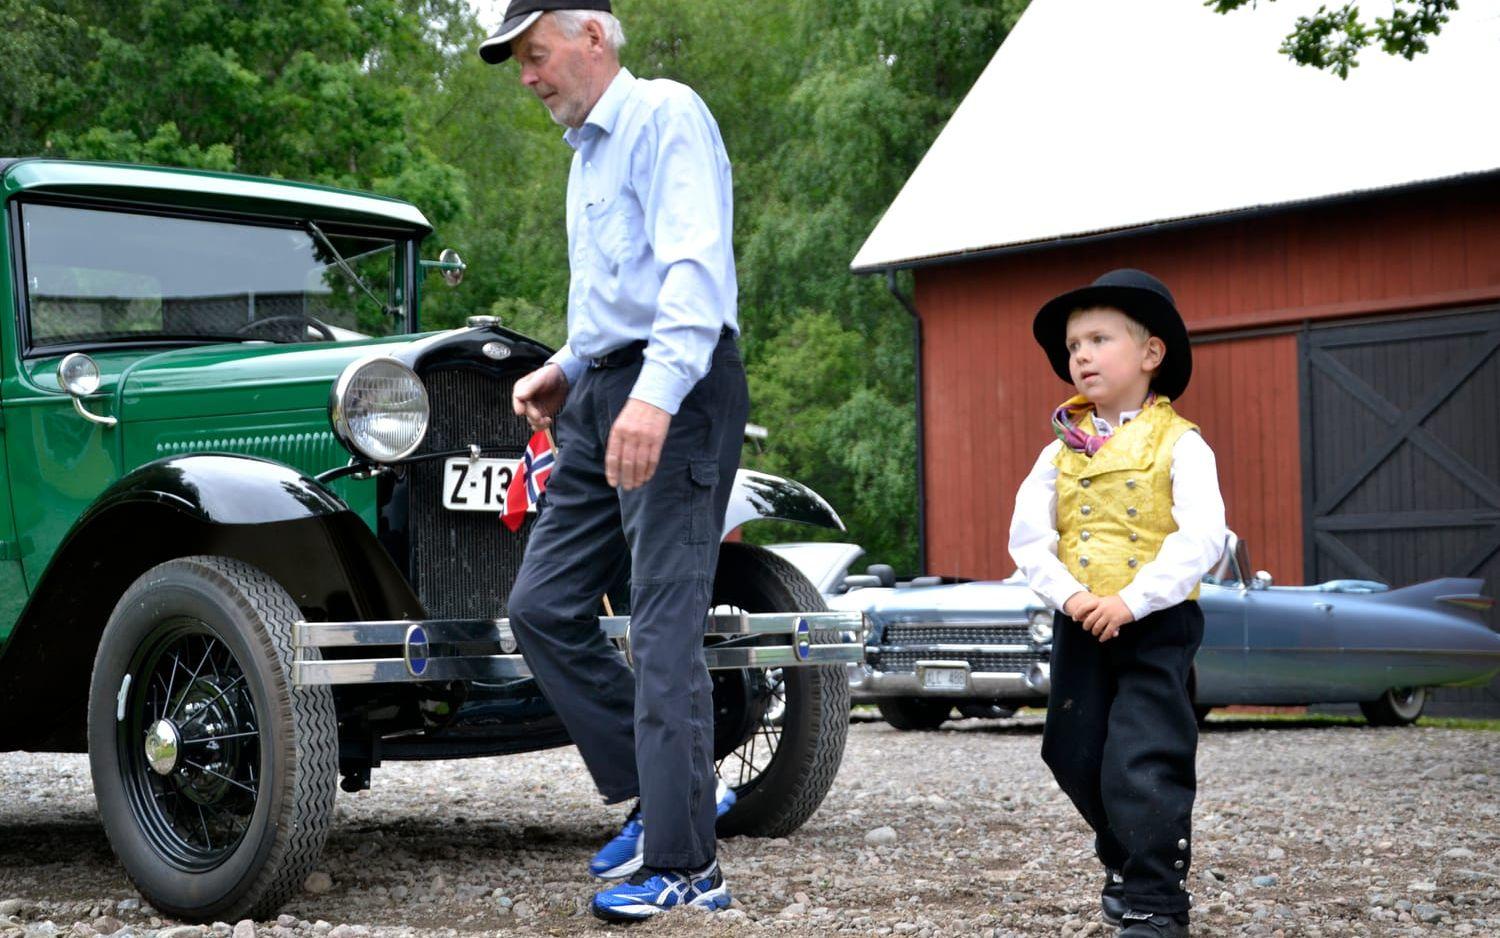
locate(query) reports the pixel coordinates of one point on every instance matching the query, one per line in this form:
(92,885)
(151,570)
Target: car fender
(759,496)
(255,510)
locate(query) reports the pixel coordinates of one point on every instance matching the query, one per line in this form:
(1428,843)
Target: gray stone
(12,906)
(1428,914)
(182,931)
(1269,880)
(317,883)
(881,836)
(129,905)
(244,928)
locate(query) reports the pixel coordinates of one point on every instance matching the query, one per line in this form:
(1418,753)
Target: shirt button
(1086,482)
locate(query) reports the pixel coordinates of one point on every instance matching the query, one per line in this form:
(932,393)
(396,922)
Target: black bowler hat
(518,17)
(1138,295)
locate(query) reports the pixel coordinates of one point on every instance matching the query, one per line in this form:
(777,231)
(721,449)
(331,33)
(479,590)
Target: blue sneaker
(647,895)
(623,855)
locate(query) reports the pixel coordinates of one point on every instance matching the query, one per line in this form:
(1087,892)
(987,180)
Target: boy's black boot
(1154,925)
(1112,904)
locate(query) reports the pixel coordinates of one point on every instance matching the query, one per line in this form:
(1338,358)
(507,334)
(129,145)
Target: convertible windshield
(101,276)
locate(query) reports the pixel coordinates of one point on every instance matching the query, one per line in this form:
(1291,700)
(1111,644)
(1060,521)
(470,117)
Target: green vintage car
(249,536)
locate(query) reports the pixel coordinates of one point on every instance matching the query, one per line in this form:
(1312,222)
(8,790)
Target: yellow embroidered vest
(1114,510)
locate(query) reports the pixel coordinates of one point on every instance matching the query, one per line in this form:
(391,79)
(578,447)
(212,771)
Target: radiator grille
(464,562)
(902,634)
(897,661)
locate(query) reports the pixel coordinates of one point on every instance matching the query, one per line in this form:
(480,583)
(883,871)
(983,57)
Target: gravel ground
(1302,829)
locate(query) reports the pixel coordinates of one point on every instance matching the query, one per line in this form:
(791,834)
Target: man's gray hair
(571,23)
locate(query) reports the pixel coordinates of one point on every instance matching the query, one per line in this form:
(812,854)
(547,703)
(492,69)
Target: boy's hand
(1079,605)
(1106,617)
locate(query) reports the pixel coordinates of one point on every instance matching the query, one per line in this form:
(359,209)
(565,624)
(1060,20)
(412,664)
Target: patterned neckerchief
(1073,424)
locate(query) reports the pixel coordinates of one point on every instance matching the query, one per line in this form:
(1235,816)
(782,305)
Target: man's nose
(528,76)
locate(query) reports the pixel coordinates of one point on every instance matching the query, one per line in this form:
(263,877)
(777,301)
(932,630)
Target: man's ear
(595,34)
(1156,350)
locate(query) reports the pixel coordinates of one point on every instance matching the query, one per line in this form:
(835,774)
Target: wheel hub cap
(162,744)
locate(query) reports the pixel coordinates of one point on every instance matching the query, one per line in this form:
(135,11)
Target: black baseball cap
(520,15)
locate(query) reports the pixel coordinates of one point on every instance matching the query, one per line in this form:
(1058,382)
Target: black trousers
(1121,739)
(647,732)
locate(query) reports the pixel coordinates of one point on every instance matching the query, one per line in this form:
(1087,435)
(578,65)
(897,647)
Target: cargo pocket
(703,476)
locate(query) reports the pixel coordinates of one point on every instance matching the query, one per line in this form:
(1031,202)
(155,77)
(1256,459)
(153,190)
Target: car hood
(224,380)
(985,599)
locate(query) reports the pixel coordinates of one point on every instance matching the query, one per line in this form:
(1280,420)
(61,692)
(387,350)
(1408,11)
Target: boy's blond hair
(1135,327)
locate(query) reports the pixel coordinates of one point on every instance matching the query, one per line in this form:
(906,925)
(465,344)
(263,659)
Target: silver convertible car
(983,647)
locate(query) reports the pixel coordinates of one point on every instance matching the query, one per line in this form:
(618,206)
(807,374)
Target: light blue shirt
(650,236)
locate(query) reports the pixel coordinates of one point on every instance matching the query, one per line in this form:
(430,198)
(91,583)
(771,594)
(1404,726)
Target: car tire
(779,796)
(914,713)
(223,826)
(1398,706)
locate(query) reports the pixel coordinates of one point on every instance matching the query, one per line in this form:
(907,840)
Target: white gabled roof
(1102,115)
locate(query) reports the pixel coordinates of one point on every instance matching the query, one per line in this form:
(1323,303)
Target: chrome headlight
(379,409)
(1041,626)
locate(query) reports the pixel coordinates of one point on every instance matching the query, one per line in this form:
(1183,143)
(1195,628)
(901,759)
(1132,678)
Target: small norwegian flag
(529,481)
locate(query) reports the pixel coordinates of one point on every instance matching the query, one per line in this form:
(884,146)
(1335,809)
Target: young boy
(1115,525)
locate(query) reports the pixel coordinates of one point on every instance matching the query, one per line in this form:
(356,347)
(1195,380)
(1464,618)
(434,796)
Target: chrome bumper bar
(485,649)
(868,684)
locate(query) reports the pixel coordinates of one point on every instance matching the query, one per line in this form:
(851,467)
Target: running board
(485,649)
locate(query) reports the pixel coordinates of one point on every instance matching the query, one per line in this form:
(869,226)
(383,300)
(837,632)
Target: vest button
(1086,510)
(1083,561)
(1085,536)
(1134,536)
(1130,483)
(1131,512)
(1131,563)
(1085,482)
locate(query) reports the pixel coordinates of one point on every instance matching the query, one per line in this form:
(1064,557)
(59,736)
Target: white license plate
(944,677)
(477,484)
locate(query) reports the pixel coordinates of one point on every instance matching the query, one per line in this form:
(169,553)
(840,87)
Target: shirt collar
(606,110)
(1102,425)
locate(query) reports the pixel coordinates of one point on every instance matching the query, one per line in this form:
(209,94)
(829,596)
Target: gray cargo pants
(648,733)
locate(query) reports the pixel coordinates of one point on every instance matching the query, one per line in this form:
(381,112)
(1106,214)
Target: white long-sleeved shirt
(1186,554)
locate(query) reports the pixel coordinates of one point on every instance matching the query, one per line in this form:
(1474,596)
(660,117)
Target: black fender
(251,509)
(759,496)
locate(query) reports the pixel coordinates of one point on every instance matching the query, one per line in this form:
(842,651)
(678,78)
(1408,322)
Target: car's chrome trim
(953,649)
(868,684)
(417,651)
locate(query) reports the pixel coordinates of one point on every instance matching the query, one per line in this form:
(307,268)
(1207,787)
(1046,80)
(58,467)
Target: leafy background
(825,108)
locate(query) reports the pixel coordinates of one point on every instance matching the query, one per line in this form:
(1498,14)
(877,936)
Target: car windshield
(95,276)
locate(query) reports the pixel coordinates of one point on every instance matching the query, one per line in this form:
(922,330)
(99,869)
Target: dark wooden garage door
(1401,424)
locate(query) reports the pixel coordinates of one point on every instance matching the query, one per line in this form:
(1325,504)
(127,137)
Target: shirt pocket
(612,222)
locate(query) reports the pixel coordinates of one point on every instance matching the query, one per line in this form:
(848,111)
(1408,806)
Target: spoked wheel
(214,774)
(779,734)
(189,746)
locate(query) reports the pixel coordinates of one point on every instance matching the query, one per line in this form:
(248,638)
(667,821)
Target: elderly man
(650,404)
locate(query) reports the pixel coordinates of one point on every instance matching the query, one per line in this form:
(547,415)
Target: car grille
(463,563)
(896,661)
(903,634)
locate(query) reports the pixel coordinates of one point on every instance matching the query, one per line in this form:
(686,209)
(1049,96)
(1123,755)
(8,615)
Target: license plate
(477,484)
(944,677)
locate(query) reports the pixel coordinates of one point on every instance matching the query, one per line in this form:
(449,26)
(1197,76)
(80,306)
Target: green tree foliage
(1333,39)
(321,91)
(825,108)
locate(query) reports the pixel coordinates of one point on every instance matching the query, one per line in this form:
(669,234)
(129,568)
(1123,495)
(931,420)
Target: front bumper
(867,684)
(485,649)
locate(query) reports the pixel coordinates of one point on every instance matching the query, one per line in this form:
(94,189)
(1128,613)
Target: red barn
(1334,246)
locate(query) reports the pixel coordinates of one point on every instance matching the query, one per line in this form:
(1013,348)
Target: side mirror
(1262,580)
(450,264)
(78,374)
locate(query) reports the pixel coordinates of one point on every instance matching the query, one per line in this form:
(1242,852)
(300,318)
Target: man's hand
(1107,617)
(540,395)
(635,444)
